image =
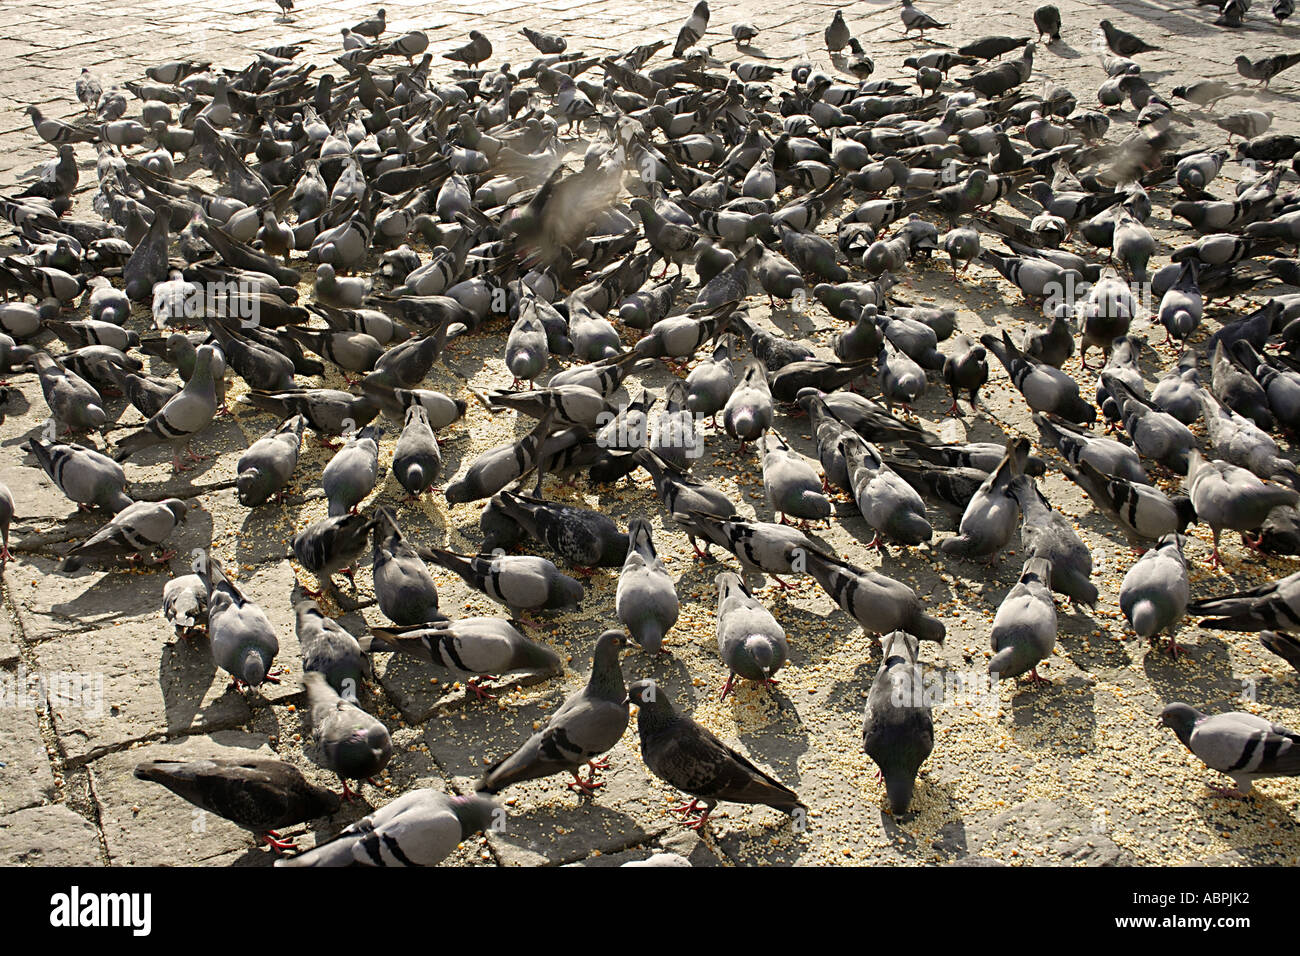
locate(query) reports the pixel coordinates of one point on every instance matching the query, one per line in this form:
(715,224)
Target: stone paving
(1073,772)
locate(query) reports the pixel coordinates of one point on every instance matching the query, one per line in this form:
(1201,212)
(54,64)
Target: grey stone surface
(48,836)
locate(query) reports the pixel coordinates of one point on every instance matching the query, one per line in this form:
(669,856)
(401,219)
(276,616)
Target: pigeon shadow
(1055,716)
(1203,668)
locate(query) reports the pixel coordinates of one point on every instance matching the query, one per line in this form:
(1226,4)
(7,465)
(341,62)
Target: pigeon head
(1183,508)
(253,668)
(655,709)
(475,812)
(1181,719)
(565,591)
(365,752)
(759,649)
(253,487)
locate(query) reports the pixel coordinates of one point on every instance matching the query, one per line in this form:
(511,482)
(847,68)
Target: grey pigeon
(353,744)
(588,723)
(521,582)
(404,588)
(897,729)
(185,603)
(84,475)
(183,417)
(133,533)
(750,641)
(891,506)
(990,518)
(1274,605)
(1226,496)
(1046,389)
(476,648)
(417,460)
(1143,512)
(790,483)
(646,598)
(420,828)
(1243,746)
(268,464)
(330,545)
(1024,627)
(749,410)
(73,402)
(1155,591)
(327,648)
(242,639)
(350,475)
(497,467)
(965,369)
(255,793)
(685,755)
(1046,533)
(877,602)
(762,547)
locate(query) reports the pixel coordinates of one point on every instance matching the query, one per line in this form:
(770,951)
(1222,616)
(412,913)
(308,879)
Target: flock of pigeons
(427,207)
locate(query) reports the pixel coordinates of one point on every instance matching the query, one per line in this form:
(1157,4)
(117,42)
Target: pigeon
(688,757)
(1046,533)
(73,402)
(330,545)
(420,828)
(965,369)
(520,582)
(646,598)
(1274,605)
(255,793)
(328,411)
(749,411)
(183,417)
(185,603)
(475,647)
(1047,20)
(1226,496)
(404,588)
(1156,434)
(750,641)
(584,538)
(890,505)
(762,547)
(877,602)
(327,648)
(242,639)
(349,477)
(1155,591)
(1024,627)
(991,517)
(589,723)
(1122,43)
(693,29)
(85,476)
(417,460)
(897,728)
(1111,458)
(498,467)
(265,469)
(478,49)
(1045,388)
(837,34)
(1265,68)
(134,533)
(352,743)
(1142,512)
(1243,746)
(546,43)
(790,483)
(914,19)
